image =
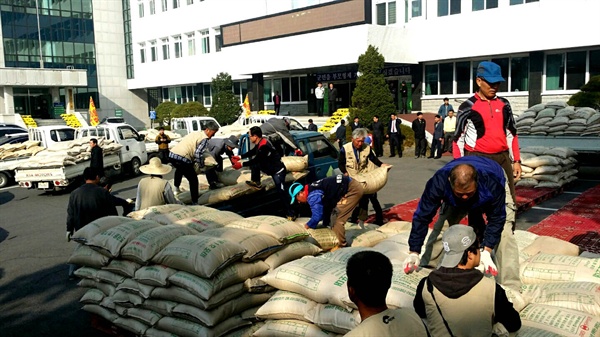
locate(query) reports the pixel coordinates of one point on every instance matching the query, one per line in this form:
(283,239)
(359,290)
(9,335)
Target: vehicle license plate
(43,185)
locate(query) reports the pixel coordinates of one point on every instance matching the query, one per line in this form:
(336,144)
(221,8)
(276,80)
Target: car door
(128,137)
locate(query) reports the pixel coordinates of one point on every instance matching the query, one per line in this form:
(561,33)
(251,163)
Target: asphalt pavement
(36,297)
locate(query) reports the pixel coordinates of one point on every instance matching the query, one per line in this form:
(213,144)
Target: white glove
(130,201)
(488,265)
(69,234)
(411,263)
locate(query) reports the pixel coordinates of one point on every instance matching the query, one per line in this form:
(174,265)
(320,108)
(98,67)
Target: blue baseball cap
(490,72)
(294,190)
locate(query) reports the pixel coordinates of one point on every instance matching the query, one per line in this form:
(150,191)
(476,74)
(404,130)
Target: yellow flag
(93,114)
(247,106)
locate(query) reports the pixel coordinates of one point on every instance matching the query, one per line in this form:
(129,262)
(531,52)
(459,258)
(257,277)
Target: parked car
(7,129)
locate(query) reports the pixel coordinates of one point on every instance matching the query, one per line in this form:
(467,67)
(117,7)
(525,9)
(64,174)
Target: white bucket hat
(155,167)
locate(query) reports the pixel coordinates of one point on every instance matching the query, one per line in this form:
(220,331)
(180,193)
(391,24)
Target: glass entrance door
(36,102)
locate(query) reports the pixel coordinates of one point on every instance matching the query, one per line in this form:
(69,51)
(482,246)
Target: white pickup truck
(131,156)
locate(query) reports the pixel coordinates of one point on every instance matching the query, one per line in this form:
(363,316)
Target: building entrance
(36,102)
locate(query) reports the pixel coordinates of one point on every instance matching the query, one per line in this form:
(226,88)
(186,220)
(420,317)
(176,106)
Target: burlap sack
(286,305)
(144,246)
(374,180)
(112,240)
(294,163)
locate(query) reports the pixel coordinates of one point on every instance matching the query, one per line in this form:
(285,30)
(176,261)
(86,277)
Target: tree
(189,109)
(371,96)
(164,112)
(225,105)
(589,96)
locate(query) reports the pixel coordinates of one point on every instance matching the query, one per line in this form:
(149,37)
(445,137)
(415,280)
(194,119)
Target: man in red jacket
(486,127)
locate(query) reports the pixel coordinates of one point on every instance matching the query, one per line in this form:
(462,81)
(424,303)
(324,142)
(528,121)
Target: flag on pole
(247,106)
(93,114)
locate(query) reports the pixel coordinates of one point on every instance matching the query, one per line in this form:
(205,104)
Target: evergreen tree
(164,112)
(589,96)
(225,105)
(371,96)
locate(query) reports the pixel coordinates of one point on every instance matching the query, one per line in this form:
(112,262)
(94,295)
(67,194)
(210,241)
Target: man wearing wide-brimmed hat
(154,190)
(217,147)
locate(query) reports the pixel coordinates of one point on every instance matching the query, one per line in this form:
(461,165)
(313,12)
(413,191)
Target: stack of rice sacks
(68,153)
(550,167)
(185,271)
(557,119)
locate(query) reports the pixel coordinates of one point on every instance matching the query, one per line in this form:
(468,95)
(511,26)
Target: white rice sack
(561,152)
(256,285)
(92,296)
(373,180)
(395,227)
(87,232)
(86,256)
(558,128)
(182,213)
(153,332)
(224,194)
(525,121)
(541,121)
(144,246)
(200,255)
(257,245)
(213,317)
(369,239)
(550,184)
(564,322)
(404,288)
(543,160)
(112,240)
(286,305)
(184,328)
(86,273)
(333,318)
(547,170)
(180,295)
(527,114)
(132,325)
(593,119)
(578,121)
(110,278)
(583,113)
(100,311)
(290,328)
(135,287)
(154,275)
(343,255)
(127,299)
(558,120)
(518,301)
(536,150)
(543,268)
(122,267)
(231,177)
(527,182)
(291,252)
(146,316)
(162,307)
(550,245)
(320,280)
(206,288)
(547,112)
(324,238)
(546,177)
(526,169)
(538,107)
(294,163)
(539,129)
(278,227)
(153,211)
(107,289)
(209,220)
(580,296)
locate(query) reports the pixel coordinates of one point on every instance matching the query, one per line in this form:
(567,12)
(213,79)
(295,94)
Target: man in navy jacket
(475,186)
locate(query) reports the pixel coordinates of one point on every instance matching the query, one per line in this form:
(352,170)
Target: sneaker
(416,157)
(254,185)
(361,224)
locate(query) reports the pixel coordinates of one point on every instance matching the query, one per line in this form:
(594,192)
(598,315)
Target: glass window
(321,148)
(454,7)
(446,7)
(555,69)
(177,46)
(576,69)
(142,53)
(391,12)
(190,2)
(153,52)
(195,125)
(484,4)
(141,9)
(126,132)
(443,8)
(504,64)
(191,44)
(152,7)
(276,87)
(218,40)
(519,74)
(431,79)
(285,92)
(446,78)
(163,5)
(206,94)
(381,14)
(295,89)
(416,8)
(165,49)
(519,2)
(267,92)
(594,63)
(205,42)
(303,88)
(175,4)
(463,77)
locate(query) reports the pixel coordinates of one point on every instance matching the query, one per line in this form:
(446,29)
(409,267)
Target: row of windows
(563,71)
(451,7)
(179,48)
(67,52)
(129,68)
(64,8)
(165,5)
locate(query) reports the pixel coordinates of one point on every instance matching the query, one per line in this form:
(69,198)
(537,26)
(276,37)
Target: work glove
(237,165)
(235,159)
(298,152)
(488,265)
(69,235)
(411,263)
(130,201)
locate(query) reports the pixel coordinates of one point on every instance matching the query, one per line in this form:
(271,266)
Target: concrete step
(46,122)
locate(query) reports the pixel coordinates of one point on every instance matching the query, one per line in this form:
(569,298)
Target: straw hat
(156,167)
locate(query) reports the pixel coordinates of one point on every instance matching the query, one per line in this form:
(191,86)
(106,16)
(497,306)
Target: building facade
(547,48)
(56,54)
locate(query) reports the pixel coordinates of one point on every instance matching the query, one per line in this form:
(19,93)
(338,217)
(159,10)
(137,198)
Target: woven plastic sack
(291,252)
(536,150)
(547,112)
(230,176)
(290,328)
(86,256)
(542,121)
(369,239)
(209,220)
(154,275)
(278,227)
(333,318)
(144,246)
(182,296)
(527,182)
(564,322)
(558,120)
(184,328)
(153,211)
(135,287)
(543,268)
(224,194)
(87,232)
(547,169)
(257,245)
(594,119)
(580,296)
(182,213)
(557,104)
(295,164)
(111,241)
(148,317)
(286,305)
(543,160)
(525,121)
(92,296)
(324,238)
(374,180)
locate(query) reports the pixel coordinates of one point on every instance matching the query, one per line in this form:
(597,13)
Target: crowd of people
(479,182)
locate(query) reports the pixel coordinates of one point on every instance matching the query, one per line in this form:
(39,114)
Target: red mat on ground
(575,219)
(527,197)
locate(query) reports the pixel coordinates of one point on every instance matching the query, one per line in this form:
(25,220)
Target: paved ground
(36,299)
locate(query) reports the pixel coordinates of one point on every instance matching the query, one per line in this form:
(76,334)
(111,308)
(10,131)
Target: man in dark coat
(331,98)
(377,132)
(312,126)
(395,135)
(356,124)
(418,126)
(96,160)
(340,133)
(438,138)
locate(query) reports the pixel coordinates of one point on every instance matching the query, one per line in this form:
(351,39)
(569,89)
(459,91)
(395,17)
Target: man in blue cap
(485,125)
(332,200)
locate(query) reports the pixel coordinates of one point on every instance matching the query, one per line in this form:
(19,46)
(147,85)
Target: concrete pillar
(9,101)
(258,97)
(55,93)
(69,99)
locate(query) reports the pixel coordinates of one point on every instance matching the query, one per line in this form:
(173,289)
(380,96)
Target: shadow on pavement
(43,303)
(6,197)
(3,236)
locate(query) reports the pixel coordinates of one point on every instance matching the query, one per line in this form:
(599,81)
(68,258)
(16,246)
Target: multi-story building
(547,48)
(56,54)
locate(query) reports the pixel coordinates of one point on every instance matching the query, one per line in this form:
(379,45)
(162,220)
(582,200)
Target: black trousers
(436,148)
(361,211)
(331,108)
(448,142)
(320,107)
(378,145)
(420,147)
(163,155)
(183,169)
(395,144)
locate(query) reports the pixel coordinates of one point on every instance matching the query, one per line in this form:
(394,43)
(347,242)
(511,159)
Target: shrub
(589,96)
(164,112)
(225,105)
(189,109)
